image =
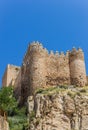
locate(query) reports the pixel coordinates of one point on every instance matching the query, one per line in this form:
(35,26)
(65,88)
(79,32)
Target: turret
(77,67)
(37,66)
(33,70)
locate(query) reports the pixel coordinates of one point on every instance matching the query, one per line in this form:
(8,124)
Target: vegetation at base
(18,122)
(51,89)
(71,91)
(84,90)
(79,91)
(71,94)
(16,116)
(7,101)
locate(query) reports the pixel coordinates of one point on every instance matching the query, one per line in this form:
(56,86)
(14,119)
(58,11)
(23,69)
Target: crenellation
(56,54)
(73,51)
(67,53)
(76,54)
(41,68)
(51,52)
(80,50)
(62,54)
(46,51)
(77,68)
(36,47)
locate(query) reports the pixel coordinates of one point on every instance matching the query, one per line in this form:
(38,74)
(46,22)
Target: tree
(7,100)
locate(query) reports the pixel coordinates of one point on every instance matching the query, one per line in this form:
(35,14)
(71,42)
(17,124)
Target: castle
(43,69)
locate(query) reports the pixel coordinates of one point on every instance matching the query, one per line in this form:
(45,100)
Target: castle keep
(43,69)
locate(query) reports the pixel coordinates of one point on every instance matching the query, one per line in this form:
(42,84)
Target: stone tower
(33,69)
(37,69)
(77,67)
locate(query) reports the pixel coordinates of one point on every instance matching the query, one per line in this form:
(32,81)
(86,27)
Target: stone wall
(17,86)
(58,71)
(4,79)
(43,69)
(10,75)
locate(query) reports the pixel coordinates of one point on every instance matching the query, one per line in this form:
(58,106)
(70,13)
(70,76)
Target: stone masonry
(10,75)
(41,69)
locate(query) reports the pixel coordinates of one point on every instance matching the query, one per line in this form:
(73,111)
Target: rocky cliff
(59,108)
(3,124)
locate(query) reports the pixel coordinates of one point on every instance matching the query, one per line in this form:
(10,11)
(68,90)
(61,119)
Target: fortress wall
(10,75)
(13,72)
(58,71)
(25,85)
(18,79)
(87,80)
(17,86)
(41,69)
(77,68)
(4,79)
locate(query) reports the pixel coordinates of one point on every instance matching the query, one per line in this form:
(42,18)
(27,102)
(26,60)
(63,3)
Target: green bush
(71,94)
(17,117)
(51,90)
(18,123)
(7,100)
(63,86)
(83,90)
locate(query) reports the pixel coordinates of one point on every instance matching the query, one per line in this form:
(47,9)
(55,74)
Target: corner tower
(33,70)
(37,66)
(77,67)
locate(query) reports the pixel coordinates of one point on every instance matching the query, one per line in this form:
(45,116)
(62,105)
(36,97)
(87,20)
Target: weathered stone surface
(10,75)
(59,112)
(3,124)
(41,69)
(31,105)
(17,86)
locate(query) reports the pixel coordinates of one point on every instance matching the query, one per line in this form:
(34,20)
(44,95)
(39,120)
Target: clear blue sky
(58,24)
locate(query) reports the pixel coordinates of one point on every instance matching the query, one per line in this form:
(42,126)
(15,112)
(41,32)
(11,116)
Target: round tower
(33,70)
(77,67)
(37,67)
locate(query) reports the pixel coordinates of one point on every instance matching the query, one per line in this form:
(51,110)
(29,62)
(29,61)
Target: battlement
(76,54)
(35,47)
(43,68)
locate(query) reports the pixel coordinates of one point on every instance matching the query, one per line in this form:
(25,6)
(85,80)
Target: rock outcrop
(62,110)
